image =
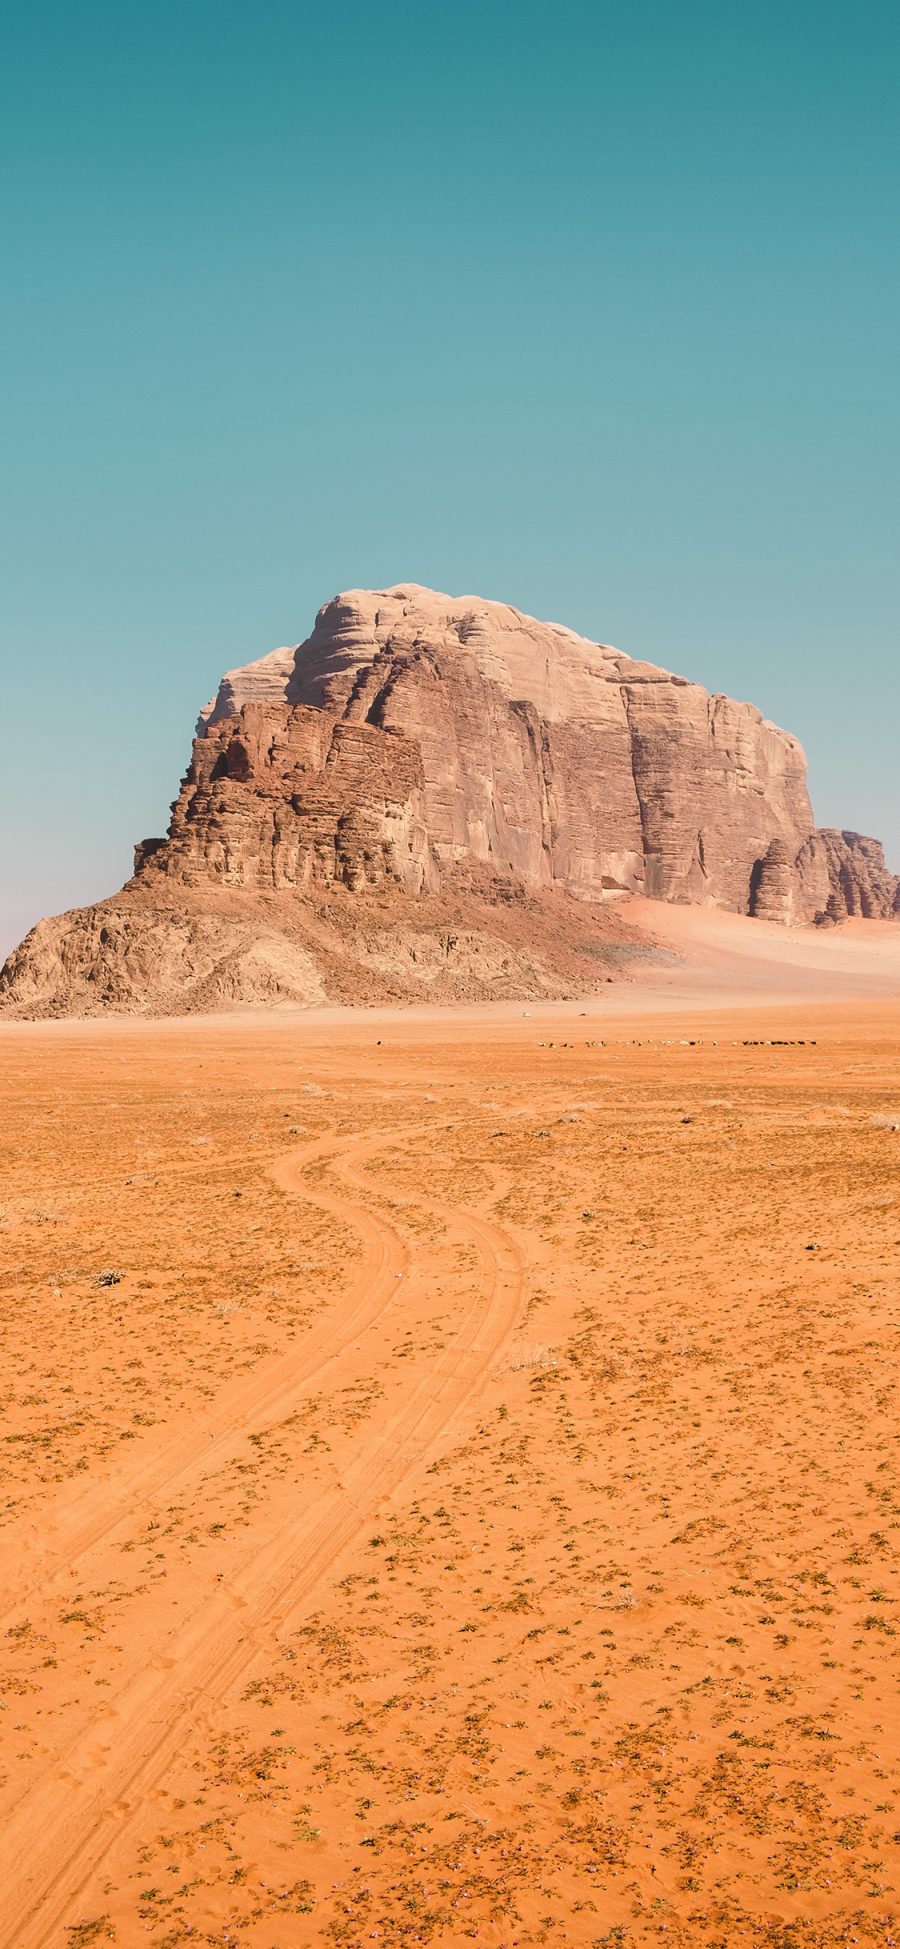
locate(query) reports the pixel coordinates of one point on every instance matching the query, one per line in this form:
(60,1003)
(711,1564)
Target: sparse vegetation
(551,1587)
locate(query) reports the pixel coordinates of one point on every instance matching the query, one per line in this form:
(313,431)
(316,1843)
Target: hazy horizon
(593,312)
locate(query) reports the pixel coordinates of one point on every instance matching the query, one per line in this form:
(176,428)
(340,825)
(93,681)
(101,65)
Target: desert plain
(449,1474)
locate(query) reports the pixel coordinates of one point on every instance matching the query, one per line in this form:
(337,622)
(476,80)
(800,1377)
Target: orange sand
(472,1515)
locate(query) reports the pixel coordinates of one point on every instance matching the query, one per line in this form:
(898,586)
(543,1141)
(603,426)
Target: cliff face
(414,732)
(843,874)
(285,796)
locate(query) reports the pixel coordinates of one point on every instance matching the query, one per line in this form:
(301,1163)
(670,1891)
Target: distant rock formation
(835,876)
(412,731)
(850,871)
(414,738)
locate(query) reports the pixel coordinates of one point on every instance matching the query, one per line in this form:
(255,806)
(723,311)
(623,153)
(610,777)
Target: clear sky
(588,307)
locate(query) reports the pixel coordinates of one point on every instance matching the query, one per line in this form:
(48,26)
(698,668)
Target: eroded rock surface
(417,750)
(416,731)
(843,875)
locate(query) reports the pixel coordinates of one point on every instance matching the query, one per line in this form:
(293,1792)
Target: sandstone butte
(442,796)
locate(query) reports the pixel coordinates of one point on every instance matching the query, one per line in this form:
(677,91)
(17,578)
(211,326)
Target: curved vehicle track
(77,1523)
(61,1832)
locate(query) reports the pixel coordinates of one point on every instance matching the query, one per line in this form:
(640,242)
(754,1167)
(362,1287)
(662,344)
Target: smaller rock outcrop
(860,883)
(842,875)
(773,884)
(163,947)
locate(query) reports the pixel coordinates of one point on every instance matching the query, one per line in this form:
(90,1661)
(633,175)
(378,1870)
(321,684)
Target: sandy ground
(449,1472)
(728,958)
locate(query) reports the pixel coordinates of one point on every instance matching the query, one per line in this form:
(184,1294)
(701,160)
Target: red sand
(472,1513)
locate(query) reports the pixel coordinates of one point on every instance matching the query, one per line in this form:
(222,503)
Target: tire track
(63,1830)
(29,1566)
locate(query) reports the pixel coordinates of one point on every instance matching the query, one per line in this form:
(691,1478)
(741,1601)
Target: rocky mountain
(422,749)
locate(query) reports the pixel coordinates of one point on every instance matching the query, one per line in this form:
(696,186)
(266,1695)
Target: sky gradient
(593,309)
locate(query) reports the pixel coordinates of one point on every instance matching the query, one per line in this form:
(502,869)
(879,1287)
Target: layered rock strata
(287,796)
(414,732)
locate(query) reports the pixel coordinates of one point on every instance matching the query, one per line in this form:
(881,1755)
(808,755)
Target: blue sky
(590,308)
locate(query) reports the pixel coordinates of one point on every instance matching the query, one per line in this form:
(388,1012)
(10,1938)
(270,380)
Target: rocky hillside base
(168,952)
